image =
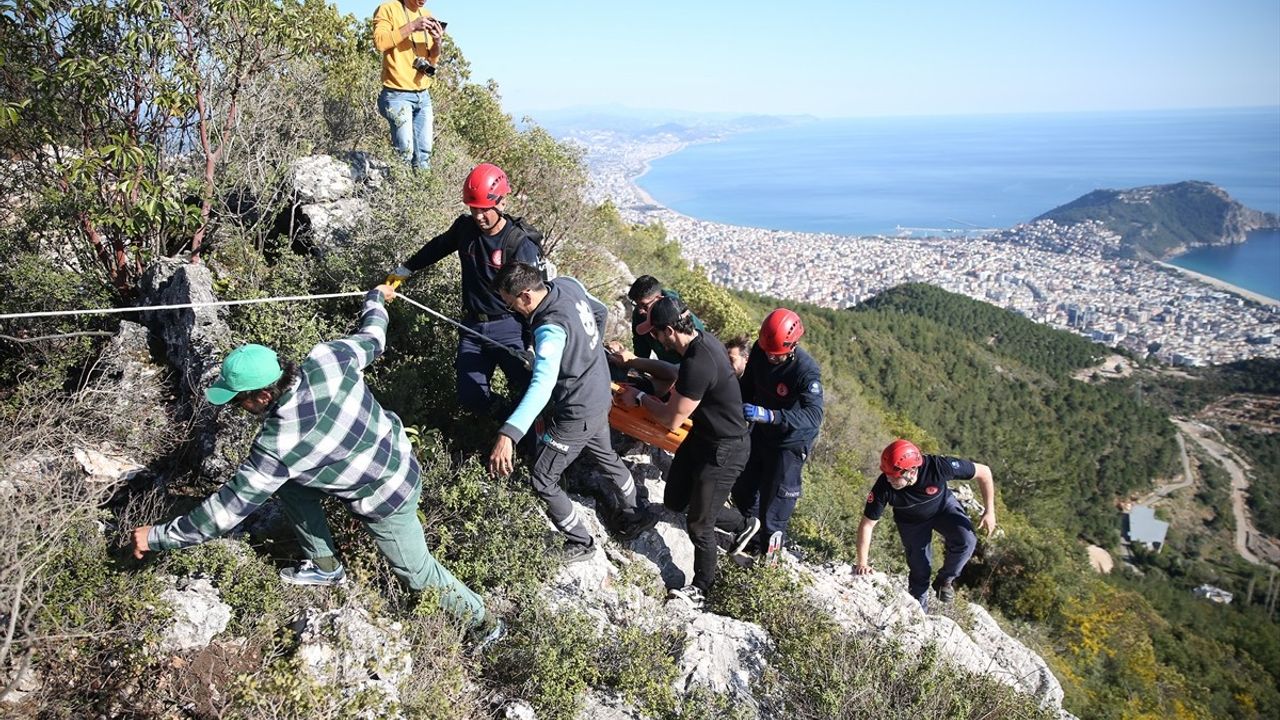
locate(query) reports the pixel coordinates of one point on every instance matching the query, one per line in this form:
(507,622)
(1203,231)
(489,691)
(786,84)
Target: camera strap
(413,36)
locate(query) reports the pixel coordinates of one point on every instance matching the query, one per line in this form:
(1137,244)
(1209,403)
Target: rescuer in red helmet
(915,486)
(782,399)
(485,239)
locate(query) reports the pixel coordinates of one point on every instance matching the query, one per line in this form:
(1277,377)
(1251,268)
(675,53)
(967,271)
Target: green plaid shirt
(327,432)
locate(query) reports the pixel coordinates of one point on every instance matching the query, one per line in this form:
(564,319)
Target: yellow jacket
(398,52)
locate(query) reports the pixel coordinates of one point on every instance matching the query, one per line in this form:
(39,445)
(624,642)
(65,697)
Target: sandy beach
(1222,285)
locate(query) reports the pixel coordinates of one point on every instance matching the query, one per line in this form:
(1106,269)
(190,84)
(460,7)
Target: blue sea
(938,175)
(1253,265)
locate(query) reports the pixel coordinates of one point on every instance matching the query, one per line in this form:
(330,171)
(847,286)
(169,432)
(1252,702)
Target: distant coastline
(656,209)
(1221,284)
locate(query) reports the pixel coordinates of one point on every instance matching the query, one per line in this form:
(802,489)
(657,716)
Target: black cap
(662,314)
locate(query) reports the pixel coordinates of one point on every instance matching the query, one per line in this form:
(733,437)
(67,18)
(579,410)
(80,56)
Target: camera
(424,65)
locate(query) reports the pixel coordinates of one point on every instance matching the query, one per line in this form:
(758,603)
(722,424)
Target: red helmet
(485,185)
(780,332)
(900,455)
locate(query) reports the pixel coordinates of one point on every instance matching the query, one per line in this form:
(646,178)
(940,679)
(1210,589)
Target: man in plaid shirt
(323,433)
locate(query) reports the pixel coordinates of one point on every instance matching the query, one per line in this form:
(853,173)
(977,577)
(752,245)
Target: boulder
(193,338)
(320,179)
(194,341)
(604,706)
(106,469)
(518,710)
(198,615)
(347,649)
(722,654)
(331,224)
(366,169)
(27,683)
(880,604)
(1025,670)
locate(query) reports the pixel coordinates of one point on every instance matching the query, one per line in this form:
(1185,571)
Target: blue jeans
(409,114)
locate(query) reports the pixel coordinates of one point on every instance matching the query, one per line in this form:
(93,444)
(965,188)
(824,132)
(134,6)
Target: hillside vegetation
(193,161)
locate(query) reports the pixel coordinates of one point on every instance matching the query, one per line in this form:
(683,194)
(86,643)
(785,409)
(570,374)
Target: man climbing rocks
(915,486)
(715,450)
(782,398)
(485,240)
(570,372)
(323,434)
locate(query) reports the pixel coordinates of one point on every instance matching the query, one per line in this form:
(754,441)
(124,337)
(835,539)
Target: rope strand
(252,301)
(147,308)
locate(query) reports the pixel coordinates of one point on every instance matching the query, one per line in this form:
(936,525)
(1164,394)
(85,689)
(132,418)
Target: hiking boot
(308,574)
(636,523)
(946,591)
(573,552)
(741,539)
(690,595)
(484,635)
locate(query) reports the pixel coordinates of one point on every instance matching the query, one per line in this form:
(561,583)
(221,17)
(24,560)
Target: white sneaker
(308,574)
(690,595)
(744,537)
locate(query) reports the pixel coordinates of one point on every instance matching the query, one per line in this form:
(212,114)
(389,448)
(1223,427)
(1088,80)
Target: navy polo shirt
(923,500)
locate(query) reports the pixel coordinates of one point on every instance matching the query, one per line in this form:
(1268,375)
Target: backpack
(524,231)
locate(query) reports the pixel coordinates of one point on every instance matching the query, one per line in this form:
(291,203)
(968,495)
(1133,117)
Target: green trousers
(399,537)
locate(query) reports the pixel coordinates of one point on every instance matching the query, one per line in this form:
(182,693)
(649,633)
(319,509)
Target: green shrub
(101,625)
(548,658)
(282,690)
(641,666)
(489,533)
(246,581)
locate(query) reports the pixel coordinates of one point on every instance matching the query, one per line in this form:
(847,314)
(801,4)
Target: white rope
(215,303)
(512,351)
(252,301)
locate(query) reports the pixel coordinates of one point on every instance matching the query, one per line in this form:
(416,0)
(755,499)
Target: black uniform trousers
(701,477)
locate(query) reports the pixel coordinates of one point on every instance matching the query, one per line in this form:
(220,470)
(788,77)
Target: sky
(853,58)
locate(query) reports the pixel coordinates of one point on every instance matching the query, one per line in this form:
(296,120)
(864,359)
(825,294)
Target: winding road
(1251,544)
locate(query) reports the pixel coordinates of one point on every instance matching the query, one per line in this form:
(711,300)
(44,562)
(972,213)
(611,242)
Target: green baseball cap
(248,367)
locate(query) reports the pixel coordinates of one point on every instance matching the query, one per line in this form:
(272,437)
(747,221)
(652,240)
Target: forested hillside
(966,378)
(989,384)
(193,166)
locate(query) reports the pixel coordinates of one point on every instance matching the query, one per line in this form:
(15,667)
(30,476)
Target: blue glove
(757,414)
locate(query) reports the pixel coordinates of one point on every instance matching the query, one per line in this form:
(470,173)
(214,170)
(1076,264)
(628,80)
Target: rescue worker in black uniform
(915,486)
(570,380)
(782,398)
(714,452)
(485,240)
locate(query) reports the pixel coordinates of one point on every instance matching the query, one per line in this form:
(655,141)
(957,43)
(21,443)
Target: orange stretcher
(639,424)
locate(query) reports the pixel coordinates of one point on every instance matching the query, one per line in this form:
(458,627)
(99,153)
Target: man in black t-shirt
(716,448)
(483,240)
(915,486)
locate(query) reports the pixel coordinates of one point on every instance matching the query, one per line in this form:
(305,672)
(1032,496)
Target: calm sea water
(873,175)
(881,175)
(1253,265)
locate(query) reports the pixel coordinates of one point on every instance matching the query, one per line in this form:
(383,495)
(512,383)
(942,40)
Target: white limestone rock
(321,178)
(198,615)
(332,223)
